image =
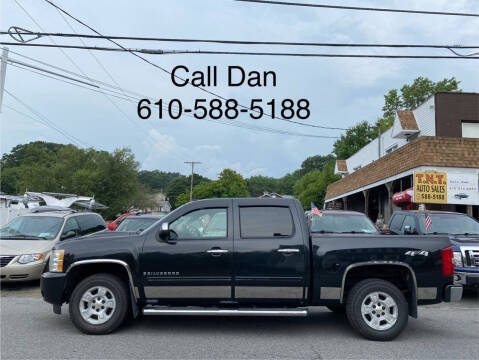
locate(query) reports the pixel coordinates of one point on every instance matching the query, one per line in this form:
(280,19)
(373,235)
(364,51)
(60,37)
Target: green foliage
(180,185)
(230,184)
(286,183)
(258,184)
(316,162)
(156,179)
(312,186)
(415,94)
(41,166)
(355,138)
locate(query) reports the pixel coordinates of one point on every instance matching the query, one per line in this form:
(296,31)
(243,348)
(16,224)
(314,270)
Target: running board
(160,310)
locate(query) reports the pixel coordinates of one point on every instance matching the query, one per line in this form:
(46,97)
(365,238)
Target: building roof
(407,120)
(342,165)
(424,151)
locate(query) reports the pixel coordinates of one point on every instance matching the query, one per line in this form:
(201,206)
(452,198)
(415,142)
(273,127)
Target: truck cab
(462,230)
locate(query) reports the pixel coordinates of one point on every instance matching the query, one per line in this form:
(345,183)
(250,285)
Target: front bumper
(453,293)
(21,272)
(53,287)
(468,279)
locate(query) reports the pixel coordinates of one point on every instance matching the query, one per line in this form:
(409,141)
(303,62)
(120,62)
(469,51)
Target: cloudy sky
(342,92)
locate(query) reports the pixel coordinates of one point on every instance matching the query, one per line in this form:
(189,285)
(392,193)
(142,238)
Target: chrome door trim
(369,263)
(188,292)
(217,251)
(288,251)
(268,292)
(109,261)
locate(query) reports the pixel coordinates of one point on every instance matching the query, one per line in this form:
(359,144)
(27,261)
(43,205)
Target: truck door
(270,256)
(197,263)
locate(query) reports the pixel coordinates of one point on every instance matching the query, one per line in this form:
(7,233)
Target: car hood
(18,247)
(105,235)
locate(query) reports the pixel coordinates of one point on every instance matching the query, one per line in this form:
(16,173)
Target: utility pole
(192,174)
(3,73)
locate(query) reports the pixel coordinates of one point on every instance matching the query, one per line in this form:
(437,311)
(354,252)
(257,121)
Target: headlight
(56,261)
(457,259)
(28,258)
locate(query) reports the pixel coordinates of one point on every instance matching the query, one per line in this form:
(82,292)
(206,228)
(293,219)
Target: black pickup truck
(247,257)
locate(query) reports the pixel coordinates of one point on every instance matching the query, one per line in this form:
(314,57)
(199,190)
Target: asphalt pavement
(30,330)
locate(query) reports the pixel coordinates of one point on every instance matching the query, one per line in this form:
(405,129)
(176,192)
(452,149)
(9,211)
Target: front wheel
(377,309)
(99,304)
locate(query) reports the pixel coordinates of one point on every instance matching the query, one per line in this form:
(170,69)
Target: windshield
(449,224)
(344,223)
(32,228)
(136,224)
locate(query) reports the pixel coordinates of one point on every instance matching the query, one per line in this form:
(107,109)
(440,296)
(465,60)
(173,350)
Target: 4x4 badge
(417,252)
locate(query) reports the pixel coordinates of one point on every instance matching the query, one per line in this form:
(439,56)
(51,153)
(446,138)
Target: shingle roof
(407,120)
(342,166)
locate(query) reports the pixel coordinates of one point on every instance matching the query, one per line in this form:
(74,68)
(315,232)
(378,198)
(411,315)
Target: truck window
(90,223)
(200,224)
(71,225)
(265,222)
(408,221)
(396,223)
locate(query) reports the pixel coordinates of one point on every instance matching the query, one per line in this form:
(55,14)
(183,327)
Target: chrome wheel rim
(97,305)
(379,310)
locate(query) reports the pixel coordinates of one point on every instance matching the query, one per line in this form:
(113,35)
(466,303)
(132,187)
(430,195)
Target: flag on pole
(428,222)
(315,210)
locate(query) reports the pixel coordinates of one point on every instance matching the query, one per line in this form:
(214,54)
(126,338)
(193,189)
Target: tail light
(447,264)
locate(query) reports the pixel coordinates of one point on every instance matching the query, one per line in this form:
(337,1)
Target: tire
(392,316)
(337,308)
(107,307)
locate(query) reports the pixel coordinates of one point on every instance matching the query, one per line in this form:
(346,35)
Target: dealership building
(429,156)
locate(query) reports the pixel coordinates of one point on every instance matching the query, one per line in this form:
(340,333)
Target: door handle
(288,251)
(217,251)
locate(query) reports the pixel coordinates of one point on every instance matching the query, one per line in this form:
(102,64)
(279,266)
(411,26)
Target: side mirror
(409,230)
(165,231)
(68,234)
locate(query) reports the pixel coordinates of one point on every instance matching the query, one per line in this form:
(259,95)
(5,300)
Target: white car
(26,241)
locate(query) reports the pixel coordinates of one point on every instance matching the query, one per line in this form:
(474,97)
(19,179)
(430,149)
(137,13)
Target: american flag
(428,222)
(315,210)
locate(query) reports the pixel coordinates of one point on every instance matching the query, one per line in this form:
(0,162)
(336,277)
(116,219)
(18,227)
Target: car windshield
(136,224)
(343,223)
(449,224)
(32,228)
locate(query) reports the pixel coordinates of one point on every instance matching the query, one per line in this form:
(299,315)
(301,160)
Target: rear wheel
(377,309)
(99,304)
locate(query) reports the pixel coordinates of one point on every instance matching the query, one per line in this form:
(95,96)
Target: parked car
(27,241)
(113,224)
(341,222)
(463,231)
(137,222)
(248,257)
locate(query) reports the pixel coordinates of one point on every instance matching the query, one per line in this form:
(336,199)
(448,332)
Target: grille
(472,258)
(5,259)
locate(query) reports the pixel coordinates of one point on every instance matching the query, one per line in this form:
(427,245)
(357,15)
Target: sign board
(463,189)
(446,188)
(430,187)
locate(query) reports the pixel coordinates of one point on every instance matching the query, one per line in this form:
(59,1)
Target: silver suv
(27,241)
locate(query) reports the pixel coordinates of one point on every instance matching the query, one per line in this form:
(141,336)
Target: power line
(48,122)
(229,42)
(210,52)
(178,77)
(341,7)
(234,123)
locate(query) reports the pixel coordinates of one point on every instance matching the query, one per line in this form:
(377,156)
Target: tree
(180,185)
(156,179)
(355,138)
(258,184)
(415,94)
(312,186)
(316,162)
(286,183)
(230,184)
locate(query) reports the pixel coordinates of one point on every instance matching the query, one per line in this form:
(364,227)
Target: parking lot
(29,329)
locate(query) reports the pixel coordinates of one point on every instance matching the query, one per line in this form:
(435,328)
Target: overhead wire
(343,7)
(178,77)
(231,42)
(249,53)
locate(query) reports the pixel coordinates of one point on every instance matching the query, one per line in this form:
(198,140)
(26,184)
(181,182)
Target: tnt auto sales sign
(446,188)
